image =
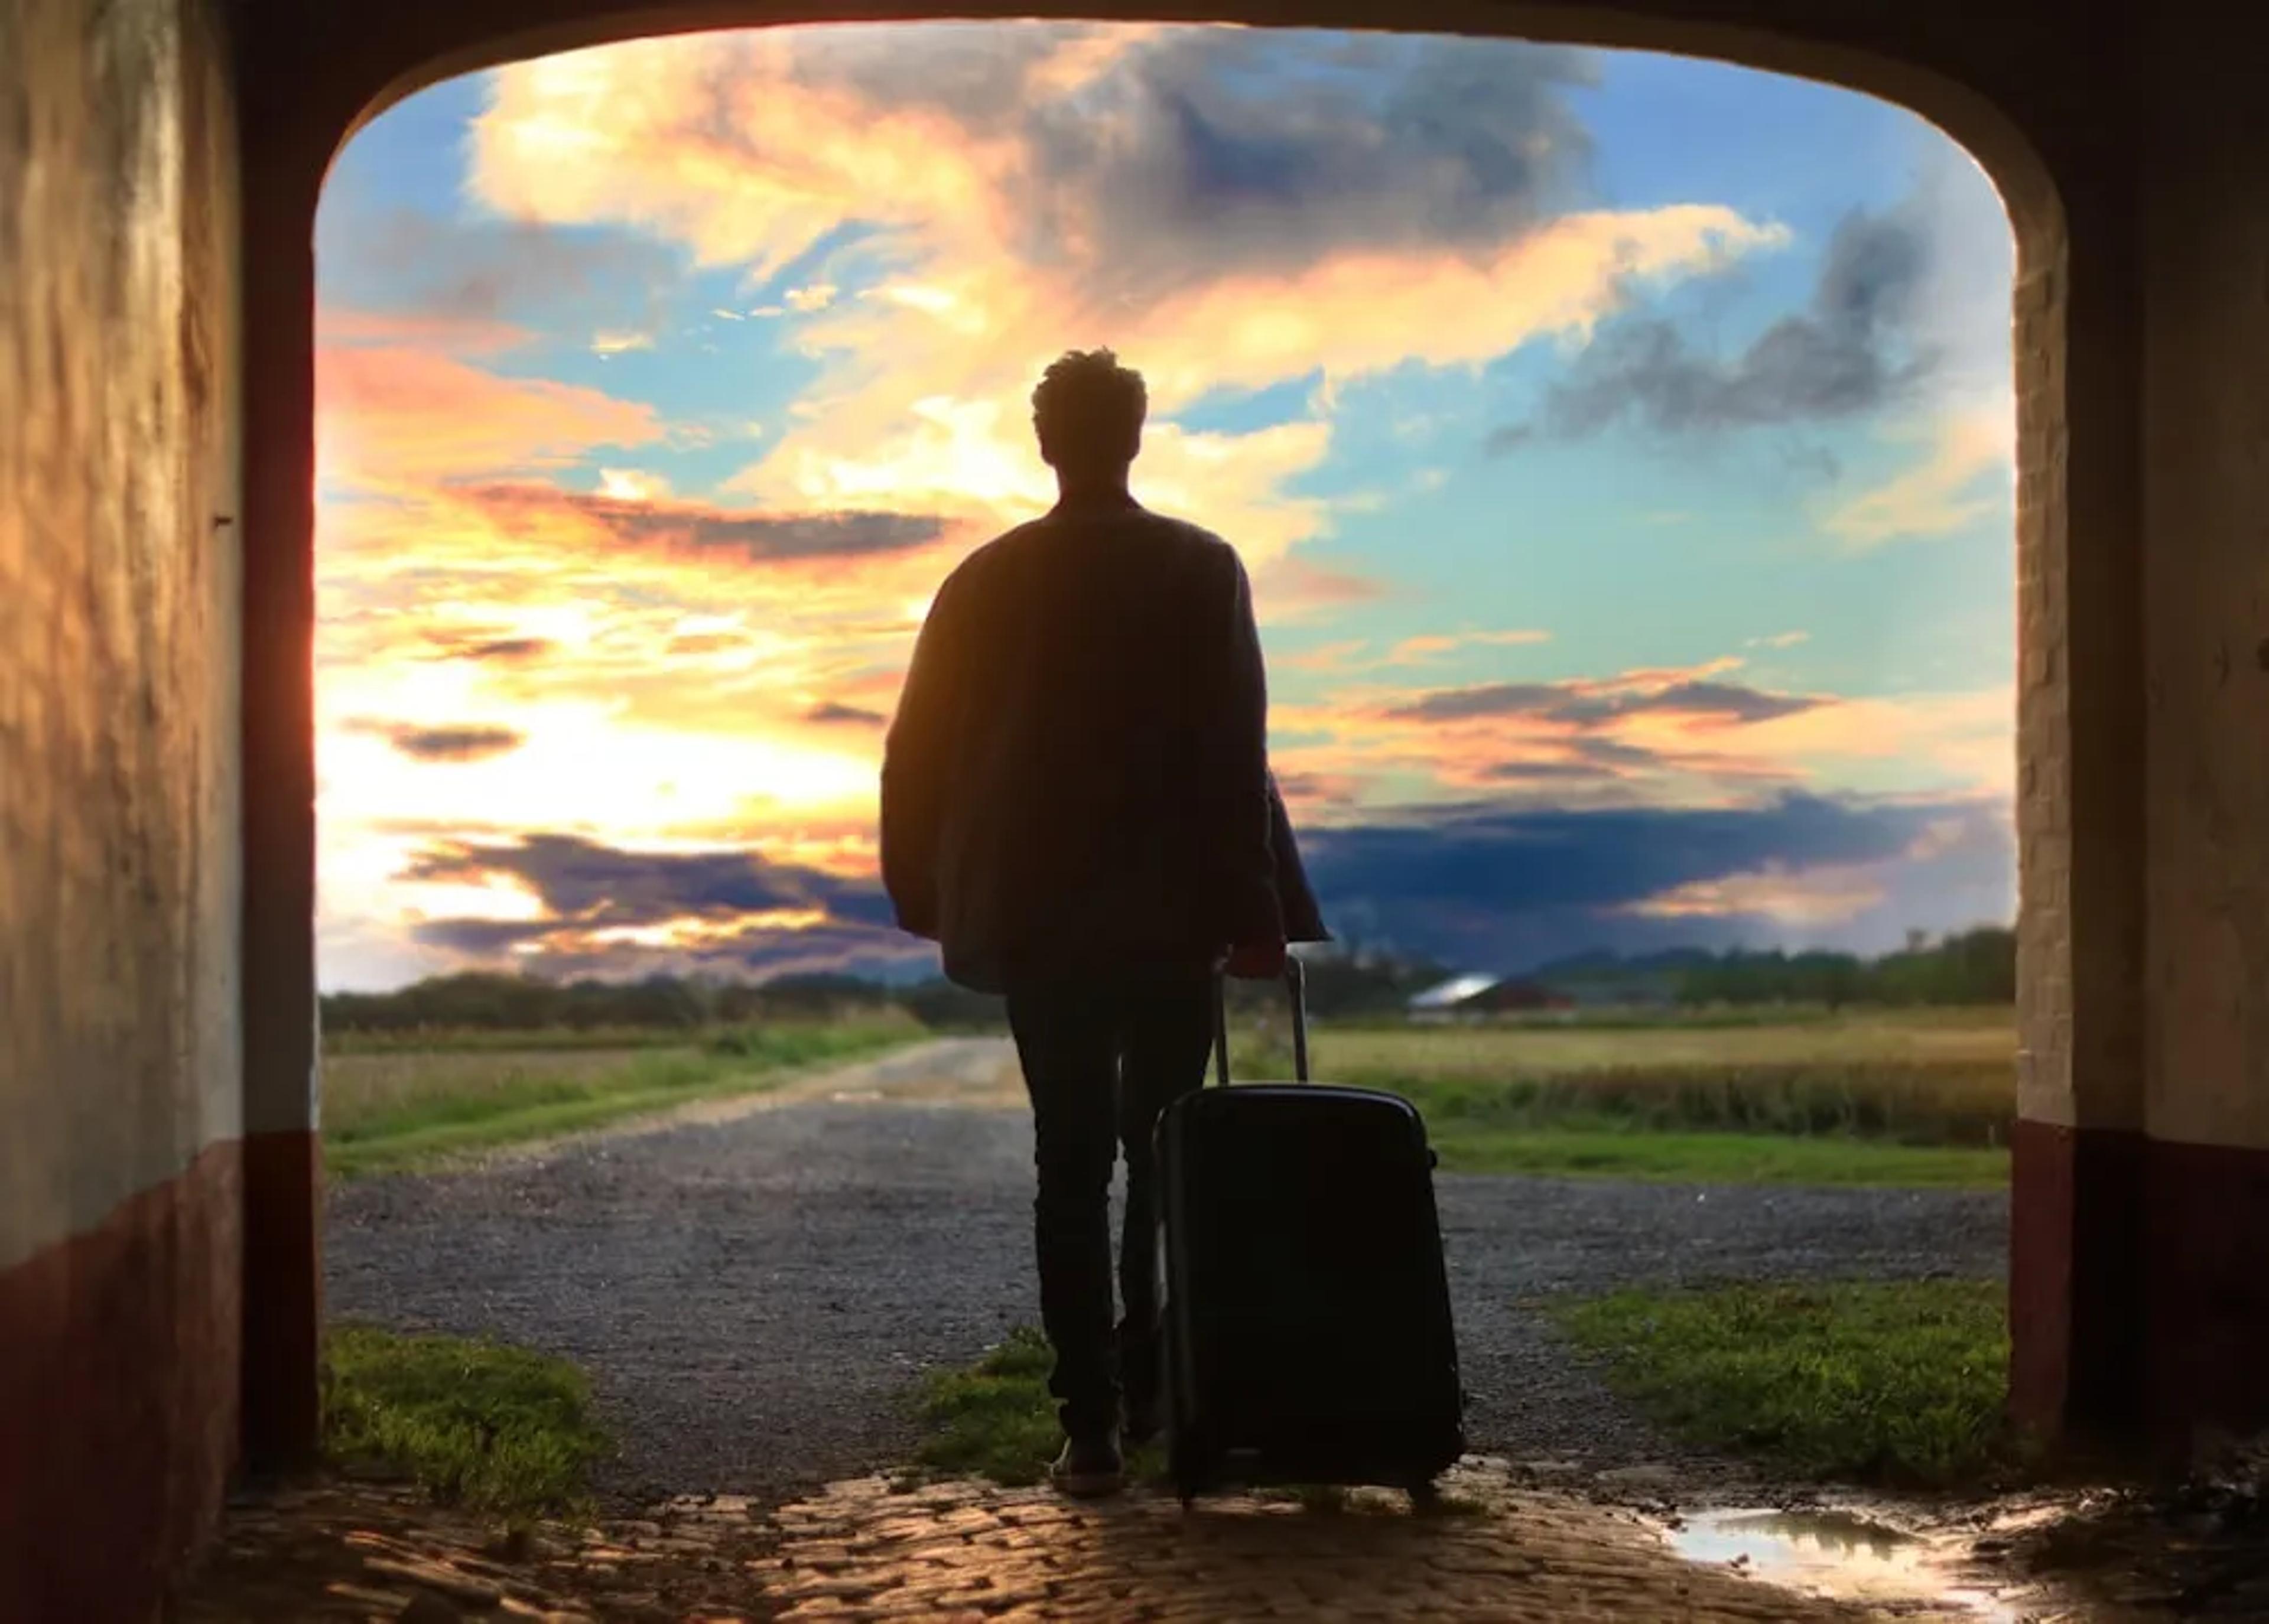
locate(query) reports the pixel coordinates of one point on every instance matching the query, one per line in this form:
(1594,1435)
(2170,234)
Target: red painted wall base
(2206,1243)
(118,1395)
(2139,1286)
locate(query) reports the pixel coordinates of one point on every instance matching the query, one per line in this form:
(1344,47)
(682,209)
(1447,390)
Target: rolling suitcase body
(1306,1328)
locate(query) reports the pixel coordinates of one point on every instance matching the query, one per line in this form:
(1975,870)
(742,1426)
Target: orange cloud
(1660,735)
(389,416)
(466,335)
(700,529)
(1291,588)
(1023,187)
(1967,475)
(1825,895)
(1348,658)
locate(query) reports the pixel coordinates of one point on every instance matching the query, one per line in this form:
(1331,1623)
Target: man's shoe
(1087,1467)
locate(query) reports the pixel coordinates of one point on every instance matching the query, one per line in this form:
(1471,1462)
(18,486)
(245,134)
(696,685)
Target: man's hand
(1255,961)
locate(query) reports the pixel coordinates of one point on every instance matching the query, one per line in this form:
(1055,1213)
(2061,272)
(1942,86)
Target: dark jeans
(1103,1055)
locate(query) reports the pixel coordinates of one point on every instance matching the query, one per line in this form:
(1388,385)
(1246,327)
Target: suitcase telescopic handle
(1296,987)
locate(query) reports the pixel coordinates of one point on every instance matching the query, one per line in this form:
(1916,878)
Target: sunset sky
(1619,445)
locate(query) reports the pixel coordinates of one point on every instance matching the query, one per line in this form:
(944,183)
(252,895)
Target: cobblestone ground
(876,1549)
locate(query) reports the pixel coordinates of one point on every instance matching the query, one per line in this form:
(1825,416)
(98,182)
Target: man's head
(1087,411)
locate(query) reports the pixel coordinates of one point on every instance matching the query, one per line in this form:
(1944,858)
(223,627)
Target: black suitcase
(1306,1324)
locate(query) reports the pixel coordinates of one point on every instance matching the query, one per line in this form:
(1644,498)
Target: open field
(387,1109)
(1878,1096)
(1934,1035)
(1898,1097)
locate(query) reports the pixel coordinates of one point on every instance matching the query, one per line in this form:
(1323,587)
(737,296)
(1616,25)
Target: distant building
(1471,997)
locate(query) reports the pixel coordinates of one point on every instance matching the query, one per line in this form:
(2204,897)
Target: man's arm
(914,754)
(1234,790)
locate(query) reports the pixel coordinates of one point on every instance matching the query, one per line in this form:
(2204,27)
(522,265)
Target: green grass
(994,1419)
(387,1111)
(1894,1384)
(1876,1097)
(1616,1152)
(474,1423)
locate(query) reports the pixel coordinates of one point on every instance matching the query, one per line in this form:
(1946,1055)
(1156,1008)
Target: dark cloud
(1206,152)
(849,715)
(502,649)
(1732,701)
(590,885)
(1505,890)
(1575,707)
(693,526)
(481,938)
(1210,153)
(1551,772)
(751,953)
(472,269)
(1509,862)
(1481,887)
(1612,752)
(444,741)
(1850,352)
(470,743)
(1452,704)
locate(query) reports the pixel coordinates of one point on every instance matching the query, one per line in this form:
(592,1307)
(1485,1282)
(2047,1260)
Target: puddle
(1845,1557)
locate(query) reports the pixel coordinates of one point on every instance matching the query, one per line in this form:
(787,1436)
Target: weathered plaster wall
(119,1050)
(2206,594)
(2206,598)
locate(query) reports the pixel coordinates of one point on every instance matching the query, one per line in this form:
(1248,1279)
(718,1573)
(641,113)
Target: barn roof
(1454,992)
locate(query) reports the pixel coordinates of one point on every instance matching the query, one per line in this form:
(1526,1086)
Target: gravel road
(755,1285)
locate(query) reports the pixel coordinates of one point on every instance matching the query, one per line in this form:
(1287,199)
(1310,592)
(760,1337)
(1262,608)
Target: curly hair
(1087,408)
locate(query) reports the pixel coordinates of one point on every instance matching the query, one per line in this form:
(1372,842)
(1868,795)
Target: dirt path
(755,1284)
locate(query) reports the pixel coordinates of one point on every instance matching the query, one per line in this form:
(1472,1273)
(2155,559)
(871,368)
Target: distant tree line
(482,999)
(1344,982)
(1973,967)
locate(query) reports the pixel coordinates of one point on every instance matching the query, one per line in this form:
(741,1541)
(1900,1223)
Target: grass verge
(1894,1384)
(474,1423)
(994,1419)
(389,1111)
(1623,1152)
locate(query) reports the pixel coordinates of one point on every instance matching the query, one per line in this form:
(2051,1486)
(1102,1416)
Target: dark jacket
(1078,770)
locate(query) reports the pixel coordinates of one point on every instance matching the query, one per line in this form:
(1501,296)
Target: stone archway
(2020,93)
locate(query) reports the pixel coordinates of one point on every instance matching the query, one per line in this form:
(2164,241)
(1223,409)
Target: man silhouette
(1077,807)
